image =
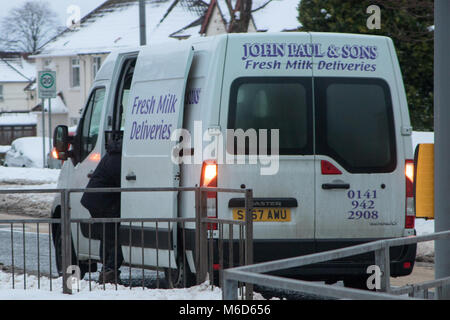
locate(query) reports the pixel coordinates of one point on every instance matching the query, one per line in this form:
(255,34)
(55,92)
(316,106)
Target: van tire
(57,244)
(177,279)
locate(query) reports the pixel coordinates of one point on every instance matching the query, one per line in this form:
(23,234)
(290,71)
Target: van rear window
(355,123)
(273,103)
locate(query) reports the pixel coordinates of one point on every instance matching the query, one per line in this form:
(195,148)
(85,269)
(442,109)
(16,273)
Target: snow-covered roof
(14,119)
(115,24)
(16,69)
(57,106)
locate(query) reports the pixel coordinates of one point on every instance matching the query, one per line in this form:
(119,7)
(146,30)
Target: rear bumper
(354,266)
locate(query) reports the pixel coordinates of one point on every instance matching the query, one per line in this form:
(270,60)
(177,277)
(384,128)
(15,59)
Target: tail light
(410,214)
(209,179)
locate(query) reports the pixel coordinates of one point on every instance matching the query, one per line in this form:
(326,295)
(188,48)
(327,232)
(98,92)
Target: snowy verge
(29,204)
(33,204)
(200,292)
(28,176)
(425,250)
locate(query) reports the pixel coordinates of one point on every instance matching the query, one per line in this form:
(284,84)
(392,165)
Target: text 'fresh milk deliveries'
(364,53)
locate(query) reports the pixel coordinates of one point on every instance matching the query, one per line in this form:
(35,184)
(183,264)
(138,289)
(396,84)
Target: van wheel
(57,244)
(181,277)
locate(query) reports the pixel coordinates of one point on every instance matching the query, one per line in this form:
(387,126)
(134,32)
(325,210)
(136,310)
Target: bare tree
(28,27)
(241,14)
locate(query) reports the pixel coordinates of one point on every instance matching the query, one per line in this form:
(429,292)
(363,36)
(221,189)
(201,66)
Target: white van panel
(255,58)
(374,204)
(155,111)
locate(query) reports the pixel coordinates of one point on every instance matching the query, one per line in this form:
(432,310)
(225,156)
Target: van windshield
(273,103)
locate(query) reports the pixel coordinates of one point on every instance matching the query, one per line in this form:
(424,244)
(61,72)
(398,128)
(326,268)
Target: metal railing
(254,273)
(207,245)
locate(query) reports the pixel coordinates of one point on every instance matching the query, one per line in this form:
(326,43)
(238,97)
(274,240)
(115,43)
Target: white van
(334,103)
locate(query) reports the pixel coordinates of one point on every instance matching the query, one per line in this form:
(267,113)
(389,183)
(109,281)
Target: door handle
(131,177)
(329,186)
(89,175)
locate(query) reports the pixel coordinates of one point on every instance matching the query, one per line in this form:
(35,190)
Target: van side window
(273,103)
(123,90)
(355,123)
(91,122)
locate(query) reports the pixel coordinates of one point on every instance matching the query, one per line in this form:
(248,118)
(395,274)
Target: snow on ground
(425,250)
(30,204)
(200,292)
(28,176)
(37,204)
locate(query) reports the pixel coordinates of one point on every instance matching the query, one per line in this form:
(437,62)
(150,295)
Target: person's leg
(113,254)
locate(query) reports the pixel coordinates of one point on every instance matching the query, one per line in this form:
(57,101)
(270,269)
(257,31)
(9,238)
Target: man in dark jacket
(107,205)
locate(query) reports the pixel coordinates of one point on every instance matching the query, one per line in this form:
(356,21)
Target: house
(16,125)
(17,75)
(17,96)
(77,53)
(59,115)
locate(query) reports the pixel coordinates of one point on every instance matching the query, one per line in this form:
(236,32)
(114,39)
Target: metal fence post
(201,236)
(66,240)
(230,288)
(248,238)
(382,260)
(197,233)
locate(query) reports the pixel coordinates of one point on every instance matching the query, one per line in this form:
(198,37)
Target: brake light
(209,174)
(328,168)
(209,179)
(409,171)
(410,214)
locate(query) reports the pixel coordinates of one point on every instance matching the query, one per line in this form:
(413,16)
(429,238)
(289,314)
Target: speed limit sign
(47,84)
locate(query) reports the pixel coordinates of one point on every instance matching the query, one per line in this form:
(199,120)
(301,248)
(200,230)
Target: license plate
(265,214)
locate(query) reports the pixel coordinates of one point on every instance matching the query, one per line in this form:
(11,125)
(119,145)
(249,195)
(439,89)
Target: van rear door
(154,112)
(360,180)
(267,86)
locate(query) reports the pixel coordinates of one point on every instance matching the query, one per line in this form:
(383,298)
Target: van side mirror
(61,142)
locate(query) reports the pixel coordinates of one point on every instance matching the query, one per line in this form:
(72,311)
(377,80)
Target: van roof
(261,35)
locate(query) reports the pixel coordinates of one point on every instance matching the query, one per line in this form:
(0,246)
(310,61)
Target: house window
(75,72)
(96,63)
(1,92)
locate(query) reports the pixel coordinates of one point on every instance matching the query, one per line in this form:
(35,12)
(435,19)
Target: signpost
(47,90)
